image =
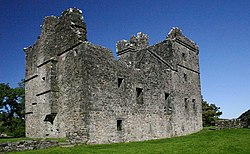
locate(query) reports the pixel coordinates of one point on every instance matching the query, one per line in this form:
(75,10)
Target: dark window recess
(186,103)
(50,117)
(138,91)
(193,102)
(120,80)
(183,56)
(139,95)
(119,125)
(29,113)
(43,78)
(34,103)
(168,106)
(166,96)
(185,76)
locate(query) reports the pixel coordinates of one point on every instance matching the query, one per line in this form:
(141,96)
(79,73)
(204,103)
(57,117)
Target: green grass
(228,141)
(13,139)
(22,139)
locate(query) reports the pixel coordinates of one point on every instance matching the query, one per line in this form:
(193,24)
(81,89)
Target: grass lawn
(228,141)
(2,140)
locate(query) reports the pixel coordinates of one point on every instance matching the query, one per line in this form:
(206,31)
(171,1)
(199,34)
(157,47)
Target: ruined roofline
(176,34)
(141,42)
(138,42)
(70,19)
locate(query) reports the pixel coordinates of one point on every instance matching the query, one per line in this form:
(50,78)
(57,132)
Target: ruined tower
(78,90)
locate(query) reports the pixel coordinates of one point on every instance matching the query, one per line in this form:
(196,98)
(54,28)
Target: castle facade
(78,90)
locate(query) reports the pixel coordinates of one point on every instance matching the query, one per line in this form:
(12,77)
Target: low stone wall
(230,123)
(77,137)
(26,145)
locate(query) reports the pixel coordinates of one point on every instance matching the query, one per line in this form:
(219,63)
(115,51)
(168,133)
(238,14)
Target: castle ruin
(78,90)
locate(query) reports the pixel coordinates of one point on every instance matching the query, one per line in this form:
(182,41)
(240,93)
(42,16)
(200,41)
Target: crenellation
(135,43)
(76,89)
(140,41)
(123,45)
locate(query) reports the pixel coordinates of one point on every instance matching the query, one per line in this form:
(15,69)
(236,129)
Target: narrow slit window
(166,96)
(185,76)
(186,103)
(139,95)
(120,80)
(119,125)
(183,56)
(168,104)
(139,92)
(29,113)
(193,103)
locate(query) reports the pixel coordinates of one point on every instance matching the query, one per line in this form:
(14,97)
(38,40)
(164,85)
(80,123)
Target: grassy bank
(2,140)
(231,141)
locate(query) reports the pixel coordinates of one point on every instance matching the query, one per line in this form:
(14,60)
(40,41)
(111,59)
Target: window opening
(120,80)
(193,102)
(43,78)
(185,76)
(183,55)
(50,117)
(139,95)
(168,105)
(139,91)
(29,113)
(166,96)
(119,125)
(186,103)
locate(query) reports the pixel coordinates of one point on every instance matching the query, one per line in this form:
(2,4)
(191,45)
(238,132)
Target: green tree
(210,113)
(12,110)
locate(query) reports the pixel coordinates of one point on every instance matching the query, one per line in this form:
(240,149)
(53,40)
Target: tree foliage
(12,110)
(210,113)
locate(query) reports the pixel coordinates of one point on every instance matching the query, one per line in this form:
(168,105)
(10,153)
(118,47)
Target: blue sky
(221,28)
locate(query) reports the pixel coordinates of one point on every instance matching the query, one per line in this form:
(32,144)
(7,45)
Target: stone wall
(230,123)
(26,145)
(42,91)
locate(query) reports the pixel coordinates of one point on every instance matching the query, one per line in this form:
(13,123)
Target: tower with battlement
(78,90)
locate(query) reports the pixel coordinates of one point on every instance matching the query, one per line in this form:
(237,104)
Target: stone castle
(78,90)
